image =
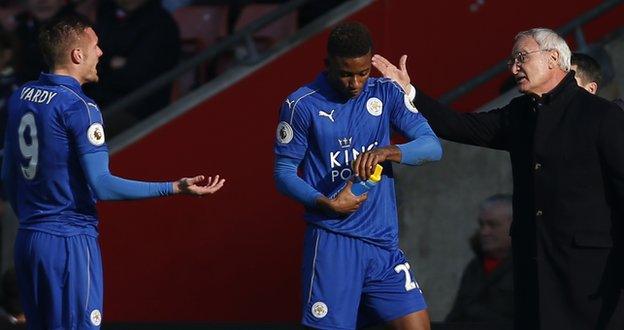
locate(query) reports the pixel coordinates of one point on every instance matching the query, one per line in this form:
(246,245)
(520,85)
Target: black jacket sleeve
(485,129)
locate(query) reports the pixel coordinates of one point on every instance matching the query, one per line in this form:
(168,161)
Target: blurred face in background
(494,223)
(43,10)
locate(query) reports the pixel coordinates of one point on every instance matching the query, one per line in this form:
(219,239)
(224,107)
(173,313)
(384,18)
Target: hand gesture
(364,164)
(189,186)
(389,70)
(344,203)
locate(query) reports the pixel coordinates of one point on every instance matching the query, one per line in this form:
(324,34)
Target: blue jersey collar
(55,79)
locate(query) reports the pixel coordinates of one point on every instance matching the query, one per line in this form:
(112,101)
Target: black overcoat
(567,157)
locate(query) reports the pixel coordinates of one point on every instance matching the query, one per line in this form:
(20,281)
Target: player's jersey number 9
(29,147)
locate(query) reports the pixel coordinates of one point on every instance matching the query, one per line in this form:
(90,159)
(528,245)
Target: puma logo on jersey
(37,95)
(289,102)
(328,115)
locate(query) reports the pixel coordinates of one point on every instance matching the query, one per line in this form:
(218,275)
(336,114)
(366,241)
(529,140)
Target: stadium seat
(269,35)
(200,27)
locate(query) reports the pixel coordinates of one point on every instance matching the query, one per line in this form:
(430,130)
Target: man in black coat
(567,154)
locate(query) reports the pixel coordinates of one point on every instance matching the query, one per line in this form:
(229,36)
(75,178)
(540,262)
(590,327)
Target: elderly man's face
(494,223)
(532,75)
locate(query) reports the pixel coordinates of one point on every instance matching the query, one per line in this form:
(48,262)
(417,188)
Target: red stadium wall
(235,256)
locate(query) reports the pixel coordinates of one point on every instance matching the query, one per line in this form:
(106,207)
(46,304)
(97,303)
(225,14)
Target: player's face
(348,75)
(92,54)
(494,225)
(534,73)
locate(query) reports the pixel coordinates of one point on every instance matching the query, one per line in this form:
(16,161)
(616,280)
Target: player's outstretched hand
(389,70)
(190,186)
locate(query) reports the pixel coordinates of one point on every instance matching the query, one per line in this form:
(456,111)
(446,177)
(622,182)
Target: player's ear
(77,56)
(592,87)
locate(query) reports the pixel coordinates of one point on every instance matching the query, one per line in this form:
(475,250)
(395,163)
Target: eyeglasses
(521,57)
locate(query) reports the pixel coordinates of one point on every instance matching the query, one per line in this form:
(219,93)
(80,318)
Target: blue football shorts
(349,283)
(60,280)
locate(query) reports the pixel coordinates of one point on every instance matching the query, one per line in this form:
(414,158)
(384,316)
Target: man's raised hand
(389,70)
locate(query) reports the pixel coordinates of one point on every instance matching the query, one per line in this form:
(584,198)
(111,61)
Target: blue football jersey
(327,134)
(50,124)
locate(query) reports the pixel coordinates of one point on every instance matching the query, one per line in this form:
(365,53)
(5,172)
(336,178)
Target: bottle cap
(376,176)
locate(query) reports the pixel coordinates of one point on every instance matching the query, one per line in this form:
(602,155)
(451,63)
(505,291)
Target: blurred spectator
(87,8)
(140,41)
(8,79)
(37,13)
(486,291)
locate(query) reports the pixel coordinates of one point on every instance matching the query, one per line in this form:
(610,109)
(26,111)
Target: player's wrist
(178,186)
(392,153)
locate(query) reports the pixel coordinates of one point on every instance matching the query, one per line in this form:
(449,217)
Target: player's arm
(290,148)
(84,123)
(290,184)
(109,187)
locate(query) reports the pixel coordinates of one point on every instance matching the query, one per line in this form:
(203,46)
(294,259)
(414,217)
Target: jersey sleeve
(109,187)
(292,131)
(404,116)
(86,127)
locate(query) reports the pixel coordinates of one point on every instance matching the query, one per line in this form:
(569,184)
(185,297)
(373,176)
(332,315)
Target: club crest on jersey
(374,106)
(345,143)
(284,132)
(95,134)
(319,310)
(96,317)
(409,104)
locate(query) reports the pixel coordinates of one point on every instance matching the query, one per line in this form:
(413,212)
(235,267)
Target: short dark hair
(58,35)
(349,40)
(587,68)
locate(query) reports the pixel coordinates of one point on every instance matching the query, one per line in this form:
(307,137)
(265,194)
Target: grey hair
(498,199)
(548,39)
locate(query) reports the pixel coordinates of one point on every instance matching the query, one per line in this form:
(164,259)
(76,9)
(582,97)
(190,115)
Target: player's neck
(64,71)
